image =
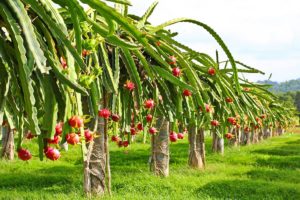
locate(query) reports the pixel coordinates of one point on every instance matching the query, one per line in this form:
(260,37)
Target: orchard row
(72,75)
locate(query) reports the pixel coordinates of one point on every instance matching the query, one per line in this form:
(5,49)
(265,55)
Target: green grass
(269,170)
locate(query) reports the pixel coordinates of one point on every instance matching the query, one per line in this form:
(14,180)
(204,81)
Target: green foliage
(23,69)
(121,46)
(28,31)
(288,98)
(291,85)
(297,101)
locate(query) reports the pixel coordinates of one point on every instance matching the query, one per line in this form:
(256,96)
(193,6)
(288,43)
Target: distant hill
(287,86)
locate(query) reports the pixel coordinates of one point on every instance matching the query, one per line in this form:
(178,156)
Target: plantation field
(268,170)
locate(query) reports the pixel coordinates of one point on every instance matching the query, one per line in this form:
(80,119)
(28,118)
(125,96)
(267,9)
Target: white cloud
(263,33)
(280,69)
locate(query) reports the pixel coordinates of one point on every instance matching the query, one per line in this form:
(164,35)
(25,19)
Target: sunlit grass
(269,170)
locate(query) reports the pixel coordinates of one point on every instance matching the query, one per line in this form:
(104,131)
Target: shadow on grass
(140,157)
(51,179)
(275,175)
(291,149)
(291,162)
(282,157)
(129,157)
(243,189)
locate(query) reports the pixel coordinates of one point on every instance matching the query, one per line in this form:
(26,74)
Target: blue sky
(262,33)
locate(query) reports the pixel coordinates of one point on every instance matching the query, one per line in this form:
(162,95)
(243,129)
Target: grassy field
(269,170)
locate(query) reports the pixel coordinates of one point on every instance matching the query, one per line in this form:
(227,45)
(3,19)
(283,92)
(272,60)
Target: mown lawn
(269,170)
